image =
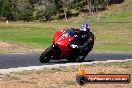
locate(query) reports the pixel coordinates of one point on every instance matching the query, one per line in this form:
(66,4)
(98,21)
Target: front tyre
(46,55)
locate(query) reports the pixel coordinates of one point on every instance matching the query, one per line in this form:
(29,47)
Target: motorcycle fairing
(62,40)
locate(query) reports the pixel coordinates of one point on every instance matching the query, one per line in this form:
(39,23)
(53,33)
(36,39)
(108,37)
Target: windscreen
(68,33)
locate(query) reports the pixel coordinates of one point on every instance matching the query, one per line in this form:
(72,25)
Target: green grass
(113,37)
(31,34)
(121,13)
(110,37)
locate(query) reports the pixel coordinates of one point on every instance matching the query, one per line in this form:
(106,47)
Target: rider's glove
(74,46)
(78,47)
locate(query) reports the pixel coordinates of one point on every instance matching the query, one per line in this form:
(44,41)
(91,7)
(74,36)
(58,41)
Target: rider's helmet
(85,27)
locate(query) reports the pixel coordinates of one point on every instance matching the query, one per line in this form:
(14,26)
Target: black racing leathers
(85,37)
(83,43)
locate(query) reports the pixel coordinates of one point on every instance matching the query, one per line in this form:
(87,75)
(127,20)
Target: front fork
(56,49)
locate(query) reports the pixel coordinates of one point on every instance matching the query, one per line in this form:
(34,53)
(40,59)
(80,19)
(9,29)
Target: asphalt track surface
(25,60)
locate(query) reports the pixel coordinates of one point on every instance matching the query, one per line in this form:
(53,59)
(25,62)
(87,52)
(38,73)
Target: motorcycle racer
(85,36)
(71,44)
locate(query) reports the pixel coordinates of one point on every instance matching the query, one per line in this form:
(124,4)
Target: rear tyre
(81,58)
(46,55)
(71,59)
(84,53)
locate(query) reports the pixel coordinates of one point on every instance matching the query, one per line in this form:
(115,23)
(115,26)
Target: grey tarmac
(13,62)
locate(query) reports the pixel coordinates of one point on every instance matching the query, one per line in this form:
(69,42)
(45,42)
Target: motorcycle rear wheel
(46,55)
(71,59)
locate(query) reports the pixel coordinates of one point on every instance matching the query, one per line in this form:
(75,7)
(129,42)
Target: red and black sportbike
(62,48)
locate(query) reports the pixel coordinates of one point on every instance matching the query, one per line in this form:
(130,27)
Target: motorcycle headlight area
(65,35)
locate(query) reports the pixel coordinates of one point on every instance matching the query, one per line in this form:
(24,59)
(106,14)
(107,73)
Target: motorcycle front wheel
(46,55)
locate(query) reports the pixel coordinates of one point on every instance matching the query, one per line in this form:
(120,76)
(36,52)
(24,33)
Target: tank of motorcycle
(63,37)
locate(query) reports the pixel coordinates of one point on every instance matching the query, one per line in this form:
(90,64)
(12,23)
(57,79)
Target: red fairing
(62,42)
